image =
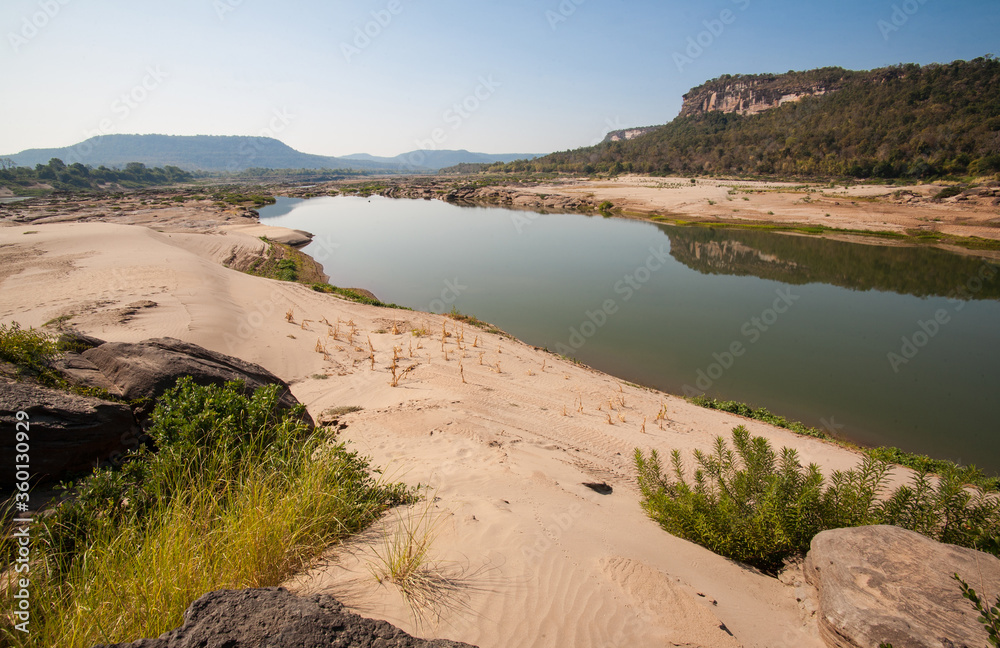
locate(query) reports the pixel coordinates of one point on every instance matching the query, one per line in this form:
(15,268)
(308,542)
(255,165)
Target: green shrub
(239,493)
(606,206)
(948,192)
(286,270)
(758,414)
(30,350)
(756,506)
(970,474)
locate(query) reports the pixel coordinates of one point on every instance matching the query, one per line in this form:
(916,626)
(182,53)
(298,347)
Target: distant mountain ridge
(233,153)
(439,159)
(189,152)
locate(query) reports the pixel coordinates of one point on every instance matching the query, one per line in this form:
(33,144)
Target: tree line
(906,121)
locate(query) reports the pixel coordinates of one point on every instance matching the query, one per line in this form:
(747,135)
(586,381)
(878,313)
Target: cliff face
(749,95)
(628,133)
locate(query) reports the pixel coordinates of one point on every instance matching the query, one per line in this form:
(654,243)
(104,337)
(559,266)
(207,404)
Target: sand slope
(532,557)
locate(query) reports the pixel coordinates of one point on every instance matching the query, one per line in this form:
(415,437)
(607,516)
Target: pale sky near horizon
(518,76)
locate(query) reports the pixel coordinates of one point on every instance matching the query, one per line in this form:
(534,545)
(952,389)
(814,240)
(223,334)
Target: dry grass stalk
(290,315)
(395,377)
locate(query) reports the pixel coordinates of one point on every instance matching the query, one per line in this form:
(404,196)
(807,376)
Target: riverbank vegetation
(761,507)
(918,462)
(57,175)
(238,493)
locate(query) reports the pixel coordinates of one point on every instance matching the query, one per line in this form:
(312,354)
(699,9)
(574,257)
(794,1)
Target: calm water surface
(801,325)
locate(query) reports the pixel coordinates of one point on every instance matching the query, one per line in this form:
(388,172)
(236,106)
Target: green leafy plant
(238,493)
(989,615)
(30,350)
(760,507)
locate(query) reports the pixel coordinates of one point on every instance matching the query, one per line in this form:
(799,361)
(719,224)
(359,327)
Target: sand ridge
(536,557)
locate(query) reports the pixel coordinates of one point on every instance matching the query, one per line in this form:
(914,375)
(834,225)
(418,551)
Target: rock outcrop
(145,370)
(883,584)
(67,433)
(70,433)
(753,94)
(276,618)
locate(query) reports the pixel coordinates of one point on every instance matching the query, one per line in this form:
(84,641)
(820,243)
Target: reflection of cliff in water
(914,270)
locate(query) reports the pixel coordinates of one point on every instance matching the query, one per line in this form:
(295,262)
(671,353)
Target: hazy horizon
(389,76)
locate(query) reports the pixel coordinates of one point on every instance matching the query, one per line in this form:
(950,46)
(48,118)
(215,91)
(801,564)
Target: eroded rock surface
(883,584)
(67,433)
(145,370)
(276,618)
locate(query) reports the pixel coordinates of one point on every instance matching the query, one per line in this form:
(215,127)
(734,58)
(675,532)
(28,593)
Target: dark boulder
(145,370)
(67,433)
(276,618)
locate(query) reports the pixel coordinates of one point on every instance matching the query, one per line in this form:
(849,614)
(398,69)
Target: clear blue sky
(550,75)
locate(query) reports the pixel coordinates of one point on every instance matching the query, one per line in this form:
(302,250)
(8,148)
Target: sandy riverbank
(864,207)
(914,211)
(536,557)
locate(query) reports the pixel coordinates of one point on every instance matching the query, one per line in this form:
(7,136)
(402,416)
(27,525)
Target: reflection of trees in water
(793,259)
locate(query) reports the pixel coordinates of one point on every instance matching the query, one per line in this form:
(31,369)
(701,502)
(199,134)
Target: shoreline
(505,435)
(205,216)
(505,445)
(966,224)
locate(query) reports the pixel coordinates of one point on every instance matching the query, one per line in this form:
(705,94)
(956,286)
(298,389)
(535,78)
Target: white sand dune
(533,557)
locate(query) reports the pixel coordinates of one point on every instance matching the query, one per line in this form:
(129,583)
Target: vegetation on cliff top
(906,121)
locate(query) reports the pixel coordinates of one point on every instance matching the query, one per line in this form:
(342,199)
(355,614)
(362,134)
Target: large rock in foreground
(144,370)
(883,584)
(67,433)
(276,618)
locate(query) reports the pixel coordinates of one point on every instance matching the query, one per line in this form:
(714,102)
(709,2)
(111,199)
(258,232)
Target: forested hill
(905,121)
(193,153)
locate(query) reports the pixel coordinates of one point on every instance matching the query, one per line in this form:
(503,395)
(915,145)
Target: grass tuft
(238,494)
